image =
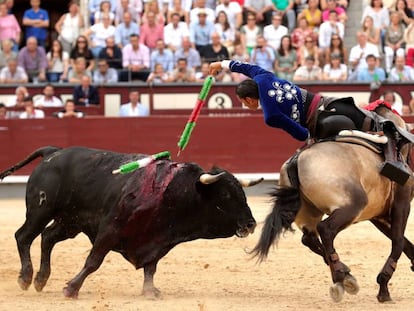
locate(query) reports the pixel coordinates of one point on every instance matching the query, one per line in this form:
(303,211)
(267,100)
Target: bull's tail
(41,152)
(285,208)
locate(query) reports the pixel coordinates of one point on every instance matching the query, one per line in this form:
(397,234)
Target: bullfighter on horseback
(305,115)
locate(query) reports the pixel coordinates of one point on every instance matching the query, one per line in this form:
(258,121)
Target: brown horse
(340,180)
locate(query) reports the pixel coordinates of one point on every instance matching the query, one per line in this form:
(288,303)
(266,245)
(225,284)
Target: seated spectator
(6,52)
(69,25)
(124,30)
(200,31)
(394,40)
(158,75)
(32,58)
(301,32)
(310,48)
(81,49)
(98,33)
(48,98)
(309,71)
(233,11)
(371,73)
(29,110)
(9,27)
(262,10)
(134,10)
(112,53)
(36,22)
(286,59)
(358,54)
(200,6)
(12,73)
(249,32)
(94,7)
(85,94)
(327,30)
(406,110)
(312,14)
(274,32)
(69,111)
(263,55)
(226,32)
(286,10)
(389,97)
(336,47)
(215,51)
(406,13)
(333,5)
(176,8)
(240,55)
(3,112)
(78,70)
(16,100)
(203,73)
(135,60)
(174,32)
(182,72)
(401,72)
(58,63)
(162,55)
(189,53)
(134,108)
(104,74)
(372,32)
(155,8)
(335,70)
(104,9)
(341,3)
(151,31)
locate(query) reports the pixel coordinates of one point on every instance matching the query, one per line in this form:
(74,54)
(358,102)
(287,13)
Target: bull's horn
(209,178)
(250,182)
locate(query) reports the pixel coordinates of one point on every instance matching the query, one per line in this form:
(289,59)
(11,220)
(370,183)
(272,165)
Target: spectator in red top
(151,31)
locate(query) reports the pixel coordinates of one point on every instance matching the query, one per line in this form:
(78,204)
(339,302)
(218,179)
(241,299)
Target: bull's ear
(250,182)
(209,178)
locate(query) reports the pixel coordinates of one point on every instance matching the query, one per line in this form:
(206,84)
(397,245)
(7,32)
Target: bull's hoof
(336,292)
(350,284)
(70,293)
(24,284)
(152,293)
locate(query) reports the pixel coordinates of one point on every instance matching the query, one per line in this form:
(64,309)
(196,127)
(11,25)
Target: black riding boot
(393,167)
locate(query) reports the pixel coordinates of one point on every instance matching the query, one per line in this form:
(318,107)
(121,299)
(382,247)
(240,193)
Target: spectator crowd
(158,41)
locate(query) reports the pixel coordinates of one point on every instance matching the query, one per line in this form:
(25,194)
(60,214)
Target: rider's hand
(215,68)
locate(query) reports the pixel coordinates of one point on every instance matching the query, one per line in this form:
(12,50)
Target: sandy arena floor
(208,275)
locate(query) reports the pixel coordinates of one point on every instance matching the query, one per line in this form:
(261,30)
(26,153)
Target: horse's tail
(41,152)
(286,206)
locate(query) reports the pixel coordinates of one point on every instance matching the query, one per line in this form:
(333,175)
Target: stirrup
(395,171)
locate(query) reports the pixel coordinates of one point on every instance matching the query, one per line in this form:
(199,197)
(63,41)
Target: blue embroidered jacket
(281,100)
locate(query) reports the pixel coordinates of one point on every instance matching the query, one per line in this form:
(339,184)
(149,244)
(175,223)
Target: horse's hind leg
(399,216)
(53,234)
(384,226)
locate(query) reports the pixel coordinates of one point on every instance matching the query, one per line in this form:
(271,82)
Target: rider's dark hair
(247,88)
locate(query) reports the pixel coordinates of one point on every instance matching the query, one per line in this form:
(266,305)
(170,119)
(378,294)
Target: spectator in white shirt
(331,27)
(134,108)
(30,111)
(174,32)
(233,11)
(274,32)
(401,71)
(48,99)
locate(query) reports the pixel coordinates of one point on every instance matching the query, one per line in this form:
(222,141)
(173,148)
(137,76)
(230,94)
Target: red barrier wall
(238,144)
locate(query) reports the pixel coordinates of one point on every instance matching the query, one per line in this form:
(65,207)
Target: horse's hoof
(23,284)
(70,293)
(152,294)
(350,284)
(384,299)
(38,285)
(336,292)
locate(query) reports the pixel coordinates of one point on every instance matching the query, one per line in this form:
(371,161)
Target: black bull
(141,215)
